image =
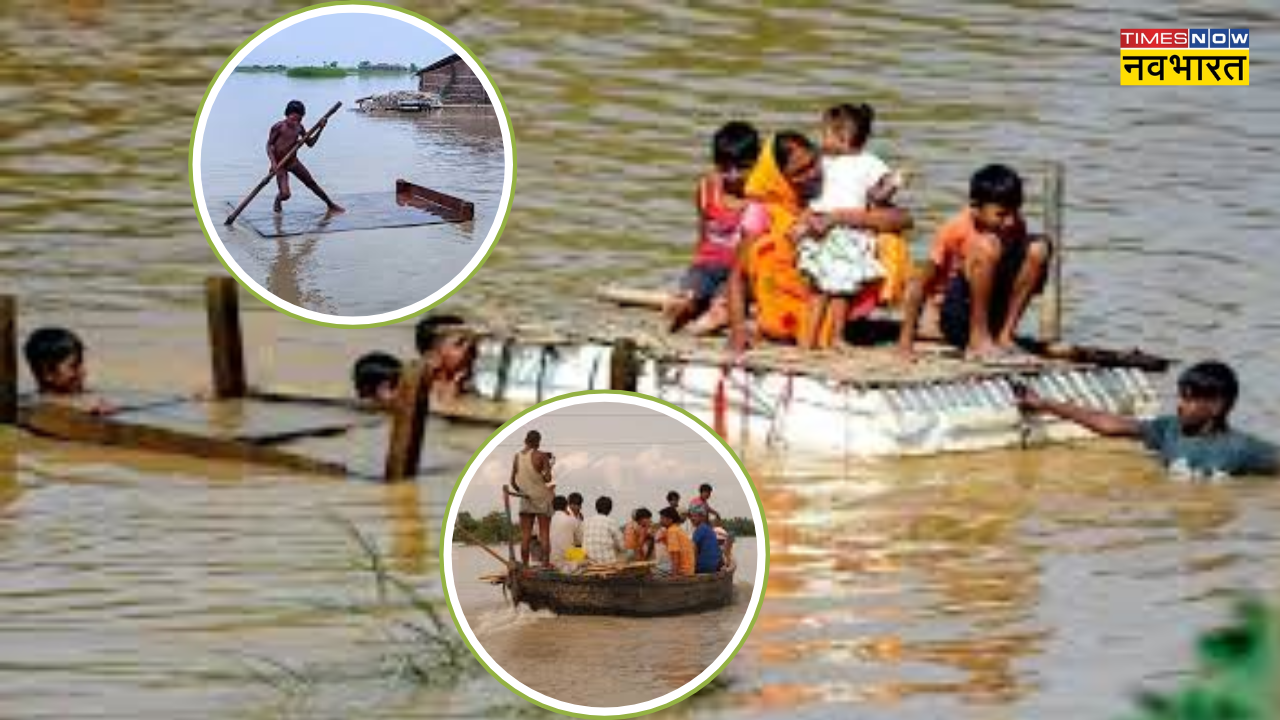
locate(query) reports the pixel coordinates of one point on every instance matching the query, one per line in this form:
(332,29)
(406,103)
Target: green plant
(1236,677)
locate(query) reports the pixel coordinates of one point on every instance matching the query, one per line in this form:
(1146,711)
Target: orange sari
(780,291)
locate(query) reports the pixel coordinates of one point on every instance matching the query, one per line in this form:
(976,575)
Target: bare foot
(336,209)
(277,207)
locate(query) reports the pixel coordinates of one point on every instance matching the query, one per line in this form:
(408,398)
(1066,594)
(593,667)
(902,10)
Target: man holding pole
(284,138)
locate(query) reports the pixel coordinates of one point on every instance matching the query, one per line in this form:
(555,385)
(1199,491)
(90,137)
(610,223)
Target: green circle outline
(502,223)
(446,543)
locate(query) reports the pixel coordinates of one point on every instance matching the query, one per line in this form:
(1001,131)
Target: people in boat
(842,262)
(284,137)
(636,537)
(726,218)
(56,358)
(679,546)
(706,547)
(1196,441)
(703,502)
(601,537)
(531,477)
(566,531)
(787,175)
(376,377)
(448,352)
(985,267)
(575,505)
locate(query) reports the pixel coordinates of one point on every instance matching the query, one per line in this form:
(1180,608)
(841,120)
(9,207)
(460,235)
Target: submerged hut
(451,80)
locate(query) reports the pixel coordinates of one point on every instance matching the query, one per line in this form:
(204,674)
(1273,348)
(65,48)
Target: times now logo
(1195,39)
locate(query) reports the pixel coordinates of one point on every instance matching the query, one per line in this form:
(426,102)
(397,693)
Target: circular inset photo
(352,164)
(604,554)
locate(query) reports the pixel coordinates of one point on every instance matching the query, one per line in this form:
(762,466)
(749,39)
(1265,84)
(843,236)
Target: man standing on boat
(531,477)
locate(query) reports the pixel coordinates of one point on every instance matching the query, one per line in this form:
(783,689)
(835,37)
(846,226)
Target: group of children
(982,271)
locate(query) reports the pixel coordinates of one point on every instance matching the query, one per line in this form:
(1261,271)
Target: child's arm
(881,194)
(319,128)
(1099,421)
(272,137)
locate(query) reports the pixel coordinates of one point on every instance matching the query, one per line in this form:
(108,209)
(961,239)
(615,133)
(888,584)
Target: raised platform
(409,206)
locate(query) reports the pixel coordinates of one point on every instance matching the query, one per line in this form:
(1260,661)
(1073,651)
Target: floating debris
(399,101)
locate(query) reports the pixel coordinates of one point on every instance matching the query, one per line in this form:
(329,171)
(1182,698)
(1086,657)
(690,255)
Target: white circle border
(757,589)
(210,227)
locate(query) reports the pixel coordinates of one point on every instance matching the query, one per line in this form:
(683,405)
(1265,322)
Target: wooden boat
(626,594)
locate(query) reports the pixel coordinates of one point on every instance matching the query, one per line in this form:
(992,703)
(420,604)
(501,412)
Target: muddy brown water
(1040,584)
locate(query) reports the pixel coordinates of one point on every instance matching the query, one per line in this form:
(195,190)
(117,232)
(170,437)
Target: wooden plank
(226,344)
(66,422)
(458,209)
(8,359)
(409,418)
(624,365)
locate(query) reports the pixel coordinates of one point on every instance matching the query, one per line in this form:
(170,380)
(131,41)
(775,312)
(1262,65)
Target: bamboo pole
(409,420)
(624,365)
(8,359)
(226,344)
(481,545)
(284,161)
(1051,301)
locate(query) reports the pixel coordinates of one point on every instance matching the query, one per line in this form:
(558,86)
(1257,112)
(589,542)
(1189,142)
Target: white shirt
(602,539)
(566,532)
(846,180)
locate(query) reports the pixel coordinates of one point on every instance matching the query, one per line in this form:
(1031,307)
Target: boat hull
(628,596)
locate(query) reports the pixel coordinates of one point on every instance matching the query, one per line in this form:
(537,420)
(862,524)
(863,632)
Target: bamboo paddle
(481,544)
(282,163)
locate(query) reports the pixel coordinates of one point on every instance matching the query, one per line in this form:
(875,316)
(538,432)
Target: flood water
(1040,584)
(645,657)
(357,272)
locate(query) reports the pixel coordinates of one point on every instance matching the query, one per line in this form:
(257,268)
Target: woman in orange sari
(787,175)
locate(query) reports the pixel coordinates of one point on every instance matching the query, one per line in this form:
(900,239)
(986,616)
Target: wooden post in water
(624,365)
(408,421)
(226,345)
(1051,301)
(8,360)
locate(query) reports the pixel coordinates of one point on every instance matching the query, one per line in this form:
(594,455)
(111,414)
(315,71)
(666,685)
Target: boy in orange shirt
(679,546)
(986,267)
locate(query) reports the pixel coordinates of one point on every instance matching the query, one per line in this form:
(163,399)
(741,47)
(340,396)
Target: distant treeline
(493,529)
(332,69)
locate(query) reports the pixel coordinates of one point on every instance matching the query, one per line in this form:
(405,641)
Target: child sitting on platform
(55,356)
(376,377)
(840,260)
(726,220)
